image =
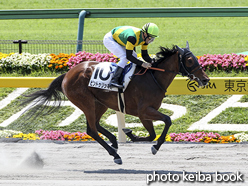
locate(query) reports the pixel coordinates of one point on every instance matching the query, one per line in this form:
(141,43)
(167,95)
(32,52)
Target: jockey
(122,40)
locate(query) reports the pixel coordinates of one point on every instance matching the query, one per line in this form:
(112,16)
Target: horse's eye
(190,62)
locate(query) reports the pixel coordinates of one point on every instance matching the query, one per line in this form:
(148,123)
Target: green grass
(244,99)
(205,35)
(197,107)
(14,106)
(5,91)
(211,35)
(232,115)
(227,74)
(45,122)
(133,119)
(56,4)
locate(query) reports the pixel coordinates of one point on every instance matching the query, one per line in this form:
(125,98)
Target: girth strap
(121,101)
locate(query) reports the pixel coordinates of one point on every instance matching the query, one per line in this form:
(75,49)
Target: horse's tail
(41,98)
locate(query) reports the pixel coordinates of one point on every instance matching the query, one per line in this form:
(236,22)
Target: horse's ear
(180,50)
(187,45)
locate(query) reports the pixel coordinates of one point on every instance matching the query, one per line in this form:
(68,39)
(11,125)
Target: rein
(152,68)
(190,75)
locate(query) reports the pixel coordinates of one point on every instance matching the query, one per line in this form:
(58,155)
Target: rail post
(121,125)
(82,16)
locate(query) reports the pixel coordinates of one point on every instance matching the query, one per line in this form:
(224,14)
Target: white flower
(26,60)
(8,133)
(241,136)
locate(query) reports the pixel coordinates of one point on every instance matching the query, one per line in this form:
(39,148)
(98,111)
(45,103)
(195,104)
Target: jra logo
(192,86)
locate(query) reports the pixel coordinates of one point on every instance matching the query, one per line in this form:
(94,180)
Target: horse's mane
(165,52)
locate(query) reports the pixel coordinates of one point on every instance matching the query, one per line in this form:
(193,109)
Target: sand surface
(87,163)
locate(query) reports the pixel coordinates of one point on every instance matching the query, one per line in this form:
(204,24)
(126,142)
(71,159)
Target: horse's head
(190,67)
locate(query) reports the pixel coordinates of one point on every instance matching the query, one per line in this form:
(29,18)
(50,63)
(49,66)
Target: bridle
(188,71)
(183,69)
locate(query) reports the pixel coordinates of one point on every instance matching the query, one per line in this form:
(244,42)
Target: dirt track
(88,163)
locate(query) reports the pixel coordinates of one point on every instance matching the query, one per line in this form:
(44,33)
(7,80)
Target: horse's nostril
(205,81)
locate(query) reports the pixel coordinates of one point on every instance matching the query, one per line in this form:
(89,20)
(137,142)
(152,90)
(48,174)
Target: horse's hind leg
(88,105)
(92,131)
(100,110)
(109,135)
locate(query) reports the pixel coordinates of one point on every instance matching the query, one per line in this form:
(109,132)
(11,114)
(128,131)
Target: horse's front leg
(149,127)
(161,139)
(146,116)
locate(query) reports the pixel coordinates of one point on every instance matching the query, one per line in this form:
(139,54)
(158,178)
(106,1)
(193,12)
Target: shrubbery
(25,62)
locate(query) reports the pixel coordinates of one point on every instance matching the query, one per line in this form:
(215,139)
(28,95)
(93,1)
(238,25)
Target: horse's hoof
(154,150)
(118,161)
(127,131)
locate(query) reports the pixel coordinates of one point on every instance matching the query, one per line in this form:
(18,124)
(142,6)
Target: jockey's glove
(154,60)
(146,65)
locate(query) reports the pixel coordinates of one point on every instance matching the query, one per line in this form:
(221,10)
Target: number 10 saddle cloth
(103,73)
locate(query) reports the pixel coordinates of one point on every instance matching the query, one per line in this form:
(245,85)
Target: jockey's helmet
(151,29)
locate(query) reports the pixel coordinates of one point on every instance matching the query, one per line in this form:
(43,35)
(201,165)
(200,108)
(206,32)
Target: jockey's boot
(115,79)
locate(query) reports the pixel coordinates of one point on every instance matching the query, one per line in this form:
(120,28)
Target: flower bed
(203,137)
(59,61)
(49,135)
(60,135)
(226,62)
(26,62)
(84,56)
(8,133)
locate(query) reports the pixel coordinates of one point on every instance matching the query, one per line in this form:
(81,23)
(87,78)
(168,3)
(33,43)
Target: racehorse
(143,96)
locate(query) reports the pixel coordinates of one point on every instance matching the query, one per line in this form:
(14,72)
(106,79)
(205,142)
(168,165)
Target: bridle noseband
(188,71)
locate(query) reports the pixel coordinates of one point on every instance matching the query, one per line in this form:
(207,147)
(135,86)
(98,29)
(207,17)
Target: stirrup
(116,85)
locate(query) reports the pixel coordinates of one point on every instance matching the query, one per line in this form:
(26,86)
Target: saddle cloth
(103,73)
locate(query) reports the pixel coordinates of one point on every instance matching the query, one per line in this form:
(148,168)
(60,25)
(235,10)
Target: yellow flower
(2,55)
(61,60)
(167,138)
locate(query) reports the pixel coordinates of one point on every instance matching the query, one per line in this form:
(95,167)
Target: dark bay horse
(143,95)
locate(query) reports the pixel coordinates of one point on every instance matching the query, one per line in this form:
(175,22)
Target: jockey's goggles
(151,39)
